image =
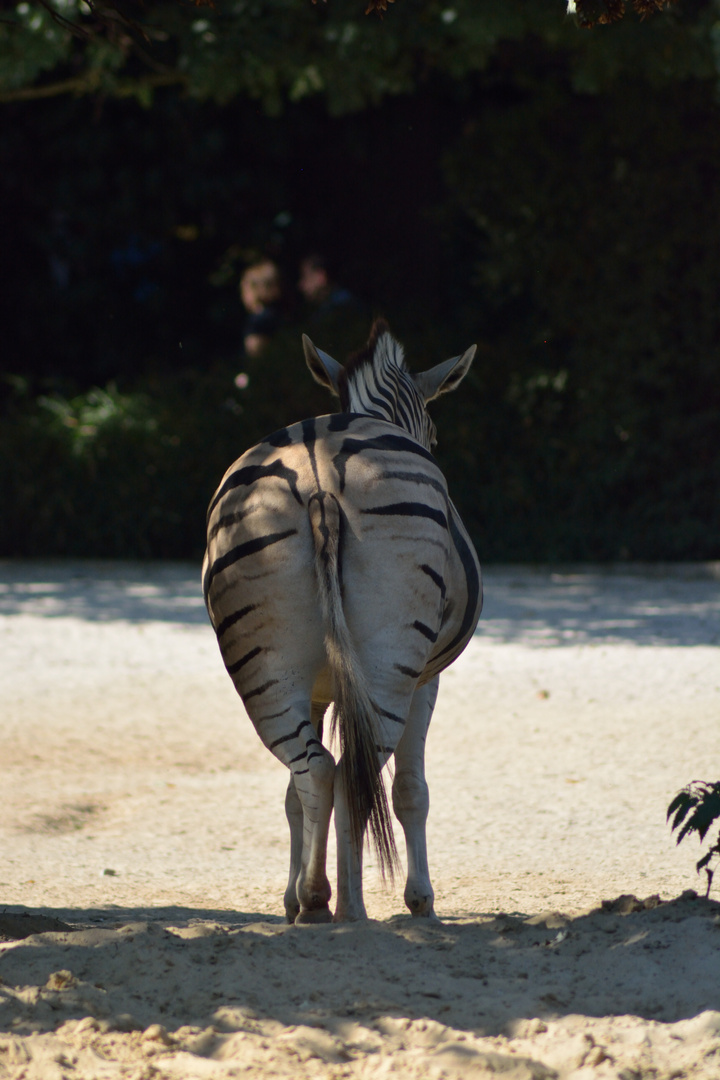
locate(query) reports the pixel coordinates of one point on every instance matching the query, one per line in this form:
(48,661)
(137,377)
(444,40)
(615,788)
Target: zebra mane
(382,352)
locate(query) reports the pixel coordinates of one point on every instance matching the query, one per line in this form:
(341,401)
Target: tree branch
(88,85)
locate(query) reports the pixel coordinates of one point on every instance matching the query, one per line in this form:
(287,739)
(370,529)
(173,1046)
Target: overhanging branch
(91,85)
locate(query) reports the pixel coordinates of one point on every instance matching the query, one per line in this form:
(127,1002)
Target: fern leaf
(705,859)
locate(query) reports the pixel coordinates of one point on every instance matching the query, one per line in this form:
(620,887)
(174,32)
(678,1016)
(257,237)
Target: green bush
(110,474)
(596,227)
(575,237)
(113,475)
(696,808)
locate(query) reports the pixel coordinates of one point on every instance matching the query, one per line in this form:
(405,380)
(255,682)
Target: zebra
(338,571)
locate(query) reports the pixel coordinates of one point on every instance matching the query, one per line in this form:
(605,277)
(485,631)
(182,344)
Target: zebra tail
(354,713)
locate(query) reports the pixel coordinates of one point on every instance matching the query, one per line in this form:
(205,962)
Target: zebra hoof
(421,907)
(291,904)
(315,915)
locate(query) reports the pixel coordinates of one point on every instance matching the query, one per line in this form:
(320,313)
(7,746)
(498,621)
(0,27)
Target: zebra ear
(446,376)
(323,368)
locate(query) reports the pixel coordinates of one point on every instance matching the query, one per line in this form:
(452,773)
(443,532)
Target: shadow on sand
(480,973)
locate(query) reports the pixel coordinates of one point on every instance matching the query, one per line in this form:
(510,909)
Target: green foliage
(89,421)
(115,475)
(574,236)
(594,242)
(279,51)
(703,799)
(130,475)
(31,43)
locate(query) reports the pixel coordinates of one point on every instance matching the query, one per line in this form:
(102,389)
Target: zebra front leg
(411,800)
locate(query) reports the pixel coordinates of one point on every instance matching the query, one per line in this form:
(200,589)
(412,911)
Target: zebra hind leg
(350,903)
(313,773)
(295,817)
(288,731)
(411,800)
(314,786)
(294,814)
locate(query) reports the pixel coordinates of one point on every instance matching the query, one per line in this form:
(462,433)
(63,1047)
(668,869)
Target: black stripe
(410,509)
(309,438)
(226,521)
(425,631)
(409,407)
(250,474)
(316,753)
(342,421)
(379,404)
(416,478)
(391,716)
(275,715)
(428,541)
(385,384)
(232,619)
(376,414)
(472,581)
(260,689)
(324,531)
(386,442)
(293,735)
(250,547)
(279,438)
(408,671)
(434,576)
(388,395)
(299,757)
(351,446)
(232,668)
(309,431)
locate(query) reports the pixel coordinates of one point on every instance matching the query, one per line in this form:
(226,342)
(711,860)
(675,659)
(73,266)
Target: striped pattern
(377,383)
(338,570)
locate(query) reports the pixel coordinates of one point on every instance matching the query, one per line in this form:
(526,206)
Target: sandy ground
(139,809)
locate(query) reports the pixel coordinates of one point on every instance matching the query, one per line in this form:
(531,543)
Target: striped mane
(380,358)
(376,382)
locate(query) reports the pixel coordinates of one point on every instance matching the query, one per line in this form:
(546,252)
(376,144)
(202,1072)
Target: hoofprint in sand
(140,810)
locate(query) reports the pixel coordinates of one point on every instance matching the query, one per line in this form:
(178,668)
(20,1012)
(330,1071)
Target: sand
(143,846)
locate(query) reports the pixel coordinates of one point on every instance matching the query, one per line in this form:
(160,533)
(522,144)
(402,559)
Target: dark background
(574,235)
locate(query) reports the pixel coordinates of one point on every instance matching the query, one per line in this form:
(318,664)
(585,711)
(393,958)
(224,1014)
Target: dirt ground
(144,848)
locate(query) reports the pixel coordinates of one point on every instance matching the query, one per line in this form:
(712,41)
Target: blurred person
(261,292)
(319,287)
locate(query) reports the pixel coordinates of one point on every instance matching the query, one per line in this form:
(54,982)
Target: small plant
(703,799)
(89,416)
